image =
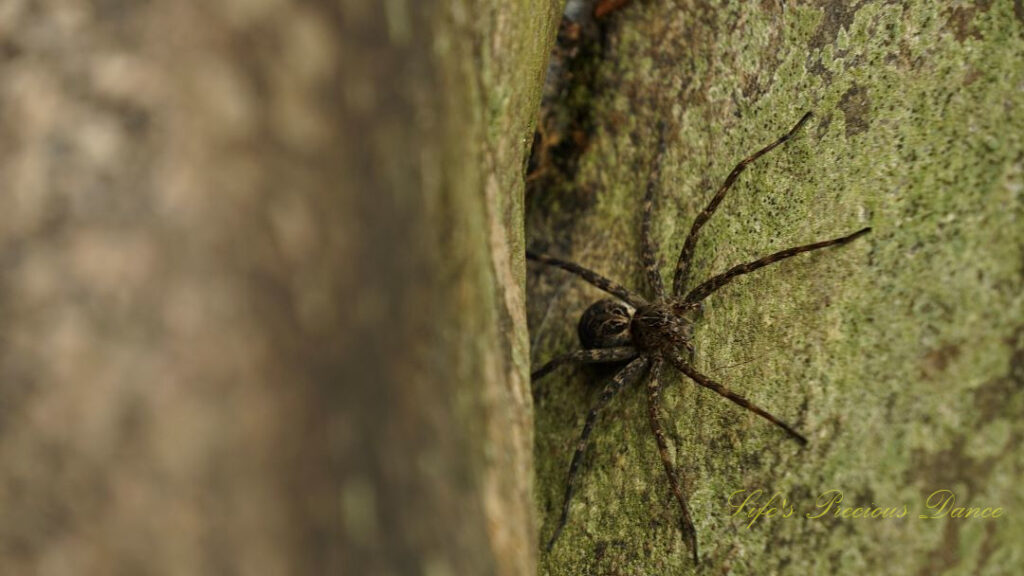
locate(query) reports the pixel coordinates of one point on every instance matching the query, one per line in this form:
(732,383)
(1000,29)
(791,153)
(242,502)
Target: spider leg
(593,356)
(606,7)
(653,407)
(706,382)
(594,278)
(686,255)
(715,282)
(649,250)
(626,376)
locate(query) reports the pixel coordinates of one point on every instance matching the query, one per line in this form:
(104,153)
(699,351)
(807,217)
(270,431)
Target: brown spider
(646,333)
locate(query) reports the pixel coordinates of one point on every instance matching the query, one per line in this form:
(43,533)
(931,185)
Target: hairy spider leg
(721,390)
(686,255)
(613,288)
(606,7)
(594,356)
(625,377)
(653,408)
(707,287)
(649,248)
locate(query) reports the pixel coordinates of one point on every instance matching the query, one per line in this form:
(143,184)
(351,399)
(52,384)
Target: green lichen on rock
(900,356)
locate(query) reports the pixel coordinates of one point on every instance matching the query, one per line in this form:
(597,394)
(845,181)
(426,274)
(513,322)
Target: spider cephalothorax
(661,327)
(646,332)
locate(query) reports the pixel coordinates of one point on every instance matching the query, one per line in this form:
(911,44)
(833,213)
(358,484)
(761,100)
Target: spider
(646,332)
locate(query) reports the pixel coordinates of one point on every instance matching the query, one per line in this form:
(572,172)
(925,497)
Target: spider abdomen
(605,324)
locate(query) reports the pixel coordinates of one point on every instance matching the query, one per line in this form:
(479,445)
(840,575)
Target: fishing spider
(645,333)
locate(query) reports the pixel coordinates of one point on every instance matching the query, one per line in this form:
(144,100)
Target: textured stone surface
(901,356)
(262,286)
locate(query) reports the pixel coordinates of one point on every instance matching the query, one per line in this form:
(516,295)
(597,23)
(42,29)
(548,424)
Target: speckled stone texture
(261,286)
(900,356)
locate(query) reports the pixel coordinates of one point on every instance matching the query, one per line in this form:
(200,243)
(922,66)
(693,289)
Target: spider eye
(605,324)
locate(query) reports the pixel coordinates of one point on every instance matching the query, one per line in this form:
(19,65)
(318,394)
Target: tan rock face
(262,290)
